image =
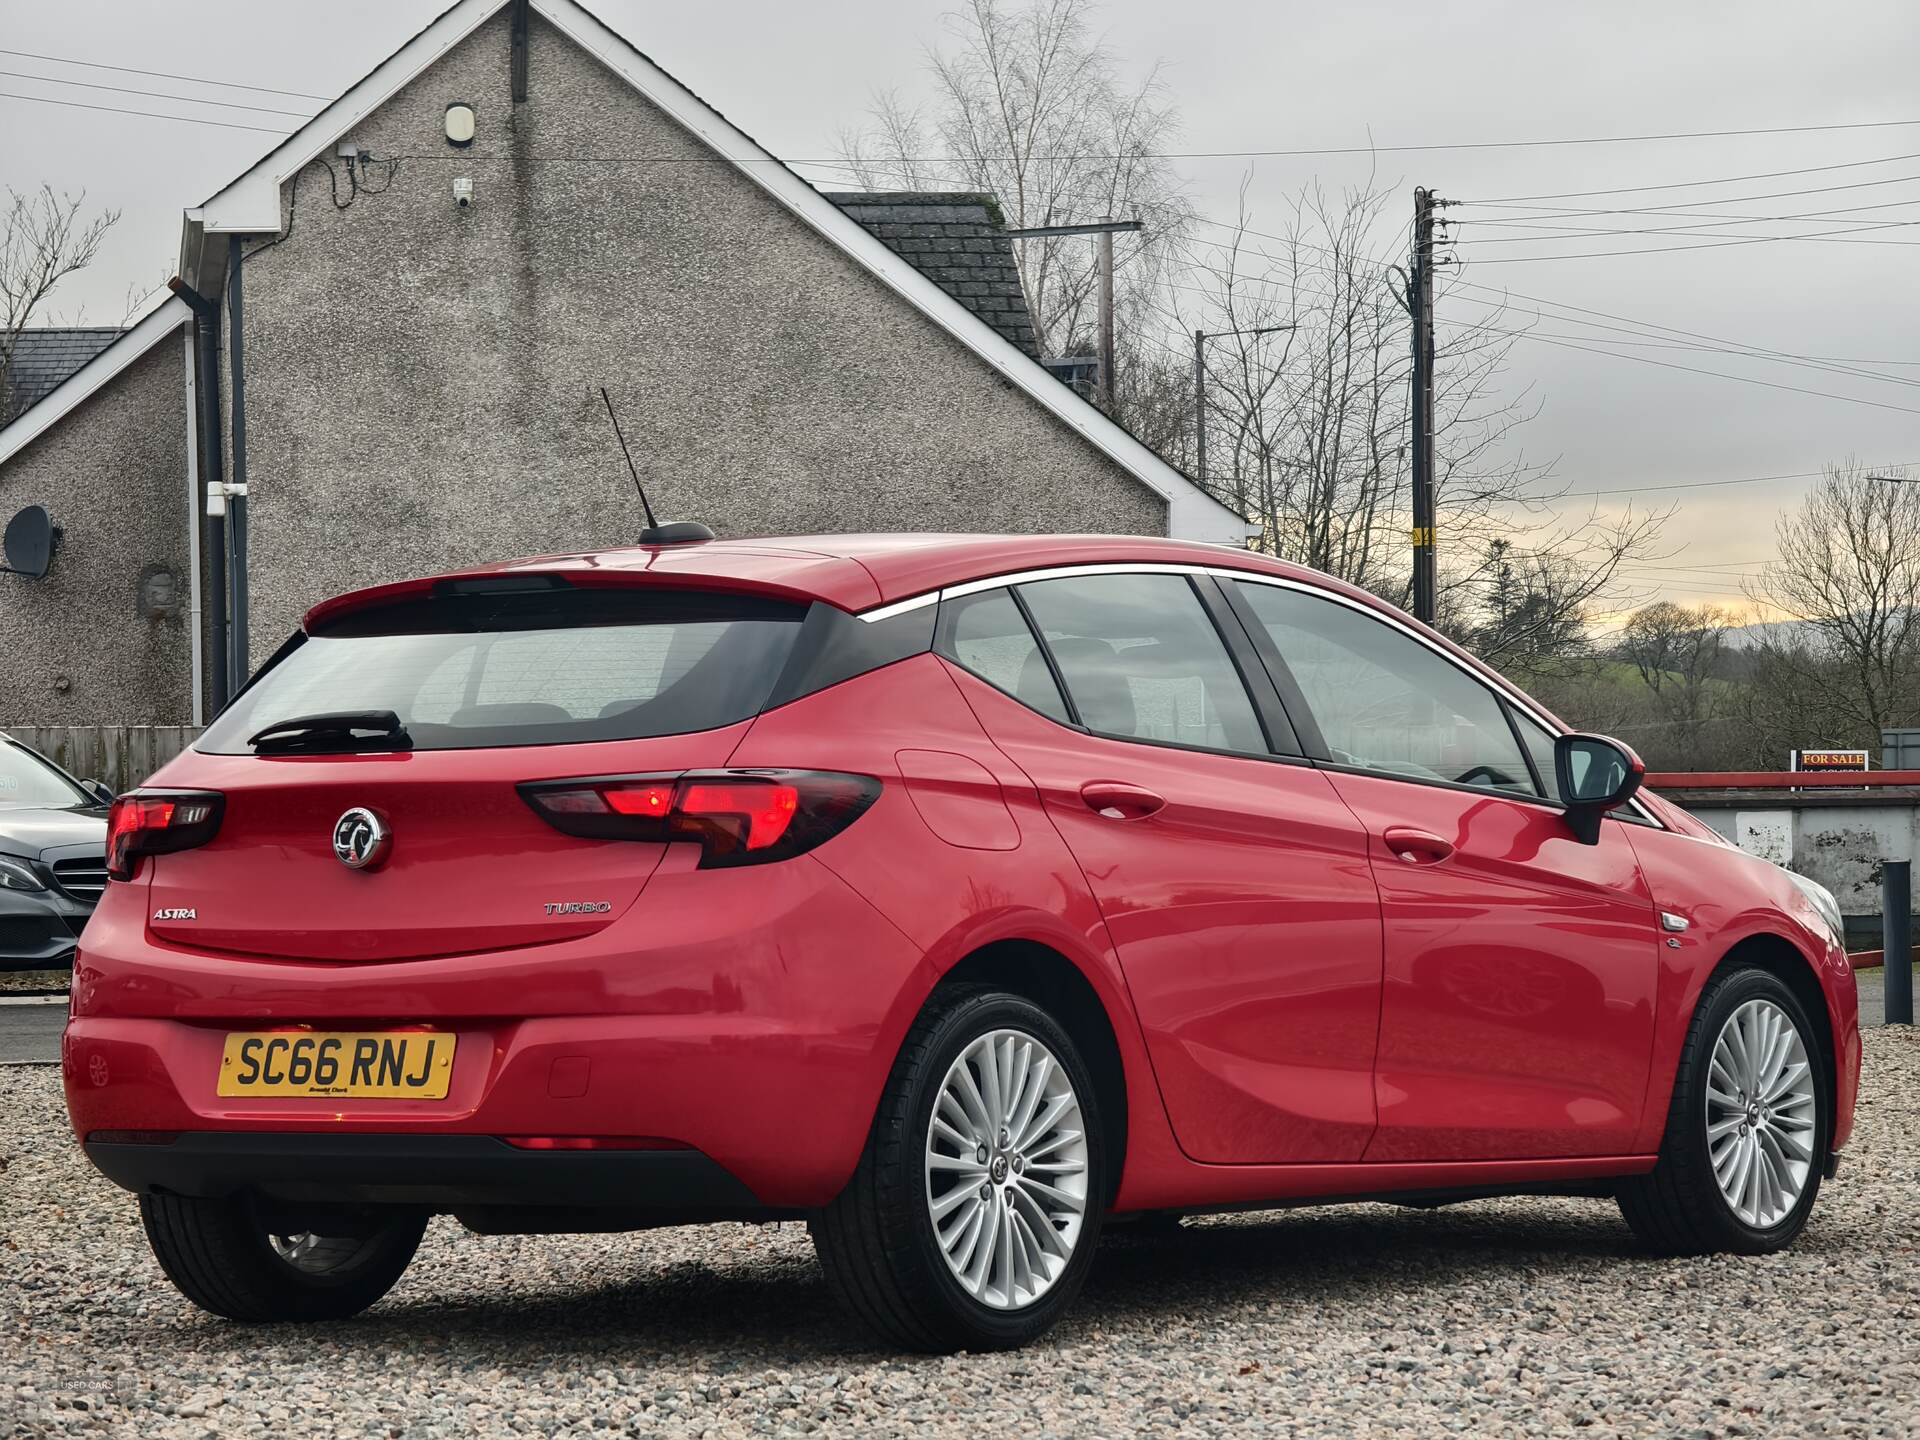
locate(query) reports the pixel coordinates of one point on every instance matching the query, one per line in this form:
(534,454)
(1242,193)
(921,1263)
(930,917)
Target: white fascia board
(1192,514)
(250,205)
(160,320)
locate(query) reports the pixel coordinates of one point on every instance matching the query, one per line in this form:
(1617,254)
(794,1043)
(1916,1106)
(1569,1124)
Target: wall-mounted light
(460,124)
(463,192)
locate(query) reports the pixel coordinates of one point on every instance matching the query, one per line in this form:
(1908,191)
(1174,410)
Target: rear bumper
(441,1172)
(755,1027)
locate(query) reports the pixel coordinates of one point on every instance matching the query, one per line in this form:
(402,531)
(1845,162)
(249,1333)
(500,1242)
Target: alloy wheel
(1006,1169)
(1761,1112)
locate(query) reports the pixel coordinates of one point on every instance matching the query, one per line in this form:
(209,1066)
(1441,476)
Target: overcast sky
(1255,75)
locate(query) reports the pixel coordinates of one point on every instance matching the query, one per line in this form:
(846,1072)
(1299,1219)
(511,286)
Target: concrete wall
(1840,840)
(423,382)
(96,641)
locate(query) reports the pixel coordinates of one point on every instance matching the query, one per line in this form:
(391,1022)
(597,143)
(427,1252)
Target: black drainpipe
(206,331)
(236,357)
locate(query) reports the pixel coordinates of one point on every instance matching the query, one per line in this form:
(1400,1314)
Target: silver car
(53,866)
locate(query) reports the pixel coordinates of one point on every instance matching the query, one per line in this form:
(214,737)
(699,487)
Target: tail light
(154,822)
(738,817)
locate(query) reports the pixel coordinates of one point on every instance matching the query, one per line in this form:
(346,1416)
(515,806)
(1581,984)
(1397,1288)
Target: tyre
(225,1260)
(1747,1130)
(973,1214)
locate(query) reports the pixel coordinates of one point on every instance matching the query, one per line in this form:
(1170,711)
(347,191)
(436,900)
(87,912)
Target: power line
(1695,184)
(1566,220)
(1682,575)
(1690,485)
(1583,232)
(1830,369)
(1797,362)
(1721,374)
(1407,149)
(1644,327)
(1562,216)
(1641,328)
(1773,357)
(163,75)
(842,164)
(1669,249)
(144,114)
(1743,352)
(151,94)
(1679,206)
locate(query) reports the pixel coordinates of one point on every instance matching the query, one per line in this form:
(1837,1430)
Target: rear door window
(466,671)
(987,634)
(1142,661)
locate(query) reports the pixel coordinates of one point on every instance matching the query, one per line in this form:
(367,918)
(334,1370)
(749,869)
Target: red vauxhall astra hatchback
(955,894)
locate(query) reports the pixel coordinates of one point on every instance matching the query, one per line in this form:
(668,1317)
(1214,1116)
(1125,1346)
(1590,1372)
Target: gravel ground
(35,979)
(1502,1317)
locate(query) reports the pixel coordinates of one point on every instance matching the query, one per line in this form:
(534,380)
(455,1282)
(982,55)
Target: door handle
(1417,847)
(1119,801)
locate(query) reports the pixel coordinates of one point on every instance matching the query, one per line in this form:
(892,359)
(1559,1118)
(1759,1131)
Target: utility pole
(1200,338)
(1106,318)
(1200,406)
(1420,302)
(1104,228)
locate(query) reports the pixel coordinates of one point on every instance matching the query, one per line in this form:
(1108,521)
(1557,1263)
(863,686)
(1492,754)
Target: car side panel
(1517,1018)
(1248,927)
(1729,896)
(949,895)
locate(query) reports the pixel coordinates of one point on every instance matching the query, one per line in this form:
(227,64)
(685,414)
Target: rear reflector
(592,1142)
(738,817)
(156,822)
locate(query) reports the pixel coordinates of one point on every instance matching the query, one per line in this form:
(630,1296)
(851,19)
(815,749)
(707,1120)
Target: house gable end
(251,204)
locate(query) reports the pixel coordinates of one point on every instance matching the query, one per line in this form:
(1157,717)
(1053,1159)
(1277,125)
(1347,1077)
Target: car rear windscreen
(465,670)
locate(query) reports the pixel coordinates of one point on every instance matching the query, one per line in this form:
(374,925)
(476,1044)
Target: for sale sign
(1829,760)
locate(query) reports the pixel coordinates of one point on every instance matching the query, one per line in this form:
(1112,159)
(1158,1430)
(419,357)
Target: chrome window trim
(1496,683)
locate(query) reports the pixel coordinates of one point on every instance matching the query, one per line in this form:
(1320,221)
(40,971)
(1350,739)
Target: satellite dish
(28,545)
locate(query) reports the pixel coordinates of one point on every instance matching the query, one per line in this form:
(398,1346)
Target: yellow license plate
(405,1065)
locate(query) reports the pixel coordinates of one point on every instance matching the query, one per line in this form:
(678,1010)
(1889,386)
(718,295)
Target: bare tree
(1849,574)
(1029,106)
(42,241)
(1679,653)
(1675,647)
(1308,429)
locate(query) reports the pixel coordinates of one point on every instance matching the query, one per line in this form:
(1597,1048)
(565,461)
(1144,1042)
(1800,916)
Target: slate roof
(44,355)
(956,241)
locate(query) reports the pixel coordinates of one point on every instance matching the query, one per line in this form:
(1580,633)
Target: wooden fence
(120,756)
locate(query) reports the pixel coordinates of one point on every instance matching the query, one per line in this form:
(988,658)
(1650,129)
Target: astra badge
(361,839)
(176,913)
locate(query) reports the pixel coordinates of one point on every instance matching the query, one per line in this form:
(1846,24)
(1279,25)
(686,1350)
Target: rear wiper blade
(336,730)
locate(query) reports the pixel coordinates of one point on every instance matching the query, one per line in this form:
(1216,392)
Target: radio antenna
(652,524)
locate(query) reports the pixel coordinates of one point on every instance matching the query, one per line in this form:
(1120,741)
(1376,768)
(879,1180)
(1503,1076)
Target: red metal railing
(1780,779)
(1874,959)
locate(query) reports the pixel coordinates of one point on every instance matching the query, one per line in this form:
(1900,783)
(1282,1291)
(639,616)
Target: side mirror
(1595,775)
(99,791)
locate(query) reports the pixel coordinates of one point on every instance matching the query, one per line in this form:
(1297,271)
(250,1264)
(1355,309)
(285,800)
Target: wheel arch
(1039,973)
(1784,960)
